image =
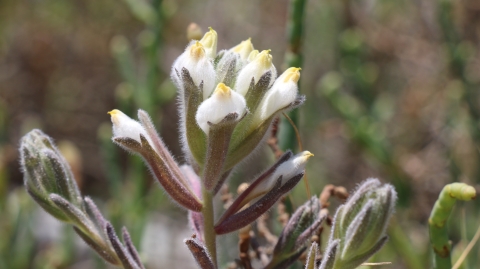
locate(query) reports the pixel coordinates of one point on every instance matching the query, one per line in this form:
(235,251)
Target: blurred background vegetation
(392,92)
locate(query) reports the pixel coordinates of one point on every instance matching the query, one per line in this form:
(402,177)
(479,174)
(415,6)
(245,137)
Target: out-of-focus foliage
(392,91)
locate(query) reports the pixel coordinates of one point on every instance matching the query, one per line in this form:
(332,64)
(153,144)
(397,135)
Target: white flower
(124,126)
(222,102)
(199,65)
(255,69)
(209,42)
(287,170)
(283,92)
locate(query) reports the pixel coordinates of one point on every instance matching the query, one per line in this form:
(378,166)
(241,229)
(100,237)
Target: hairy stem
(209,222)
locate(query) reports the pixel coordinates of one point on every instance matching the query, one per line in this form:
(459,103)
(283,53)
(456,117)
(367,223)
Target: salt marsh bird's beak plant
(227,102)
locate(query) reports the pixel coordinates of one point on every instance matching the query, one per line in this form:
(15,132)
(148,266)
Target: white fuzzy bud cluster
(236,88)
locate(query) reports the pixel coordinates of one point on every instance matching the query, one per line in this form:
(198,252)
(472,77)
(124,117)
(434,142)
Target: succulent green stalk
(438,220)
(293,58)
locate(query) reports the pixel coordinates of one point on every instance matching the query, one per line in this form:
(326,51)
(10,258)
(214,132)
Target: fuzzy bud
(288,169)
(141,138)
(199,65)
(254,70)
(360,224)
(47,172)
(124,126)
(304,222)
(223,102)
(282,94)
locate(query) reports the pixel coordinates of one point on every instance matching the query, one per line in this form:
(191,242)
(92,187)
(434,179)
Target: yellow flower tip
(114,114)
(245,47)
(209,38)
(306,155)
(223,90)
(197,51)
(253,55)
(292,74)
(264,58)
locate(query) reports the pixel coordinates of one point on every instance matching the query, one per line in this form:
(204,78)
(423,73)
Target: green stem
(438,220)
(293,58)
(208,226)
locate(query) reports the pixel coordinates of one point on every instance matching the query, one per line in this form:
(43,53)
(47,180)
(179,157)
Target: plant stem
(293,58)
(209,222)
(438,221)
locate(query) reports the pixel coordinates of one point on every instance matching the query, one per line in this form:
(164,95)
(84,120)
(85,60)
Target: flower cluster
(227,103)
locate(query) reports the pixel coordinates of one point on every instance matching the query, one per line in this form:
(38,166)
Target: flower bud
(269,186)
(209,42)
(254,70)
(141,138)
(243,49)
(360,224)
(200,67)
(288,169)
(124,126)
(304,222)
(283,93)
(47,172)
(223,102)
(312,256)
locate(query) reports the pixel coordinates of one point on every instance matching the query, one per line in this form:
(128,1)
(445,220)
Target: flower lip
(223,90)
(197,50)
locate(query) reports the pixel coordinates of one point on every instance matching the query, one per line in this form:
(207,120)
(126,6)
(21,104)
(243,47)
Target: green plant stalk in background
(438,220)
(459,51)
(293,58)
